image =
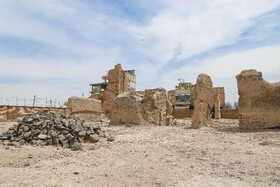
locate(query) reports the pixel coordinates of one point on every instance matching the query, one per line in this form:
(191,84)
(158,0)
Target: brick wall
(118,82)
(229,114)
(18,112)
(182,113)
(226,114)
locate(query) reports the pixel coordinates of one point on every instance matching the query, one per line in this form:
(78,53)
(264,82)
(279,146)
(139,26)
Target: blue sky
(56,48)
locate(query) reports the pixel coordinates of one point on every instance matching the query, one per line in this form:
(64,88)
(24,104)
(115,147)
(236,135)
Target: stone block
(84,105)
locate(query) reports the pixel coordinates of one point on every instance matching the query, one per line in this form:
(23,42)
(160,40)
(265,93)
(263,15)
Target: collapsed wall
(259,101)
(136,109)
(88,109)
(127,110)
(203,102)
(154,103)
(107,98)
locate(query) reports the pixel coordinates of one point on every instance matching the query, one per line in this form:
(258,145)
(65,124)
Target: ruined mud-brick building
(259,101)
(183,96)
(115,82)
(142,108)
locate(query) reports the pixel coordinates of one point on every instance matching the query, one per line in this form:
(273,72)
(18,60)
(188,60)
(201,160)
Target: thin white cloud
(195,27)
(223,69)
(179,30)
(99,36)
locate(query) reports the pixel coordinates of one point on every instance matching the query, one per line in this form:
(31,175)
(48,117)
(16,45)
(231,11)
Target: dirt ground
(222,155)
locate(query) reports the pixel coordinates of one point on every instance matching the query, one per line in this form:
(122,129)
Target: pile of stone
(46,128)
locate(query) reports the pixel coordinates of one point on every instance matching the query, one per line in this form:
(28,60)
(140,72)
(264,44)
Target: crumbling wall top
(259,101)
(203,102)
(118,66)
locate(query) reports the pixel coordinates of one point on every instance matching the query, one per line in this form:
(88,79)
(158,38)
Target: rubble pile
(46,128)
(148,107)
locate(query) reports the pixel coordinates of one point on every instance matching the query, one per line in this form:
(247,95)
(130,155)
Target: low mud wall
(226,114)
(182,113)
(229,114)
(18,112)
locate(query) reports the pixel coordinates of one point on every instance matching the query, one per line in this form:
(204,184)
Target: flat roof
(98,84)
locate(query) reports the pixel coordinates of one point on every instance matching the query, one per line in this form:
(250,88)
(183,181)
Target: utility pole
(34,98)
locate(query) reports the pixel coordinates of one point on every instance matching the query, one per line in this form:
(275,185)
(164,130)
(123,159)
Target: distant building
(115,82)
(119,81)
(131,79)
(184,95)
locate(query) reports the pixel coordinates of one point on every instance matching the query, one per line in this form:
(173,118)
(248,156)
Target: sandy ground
(221,155)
